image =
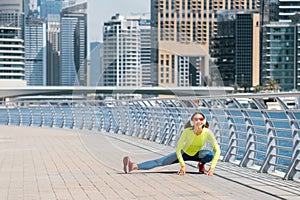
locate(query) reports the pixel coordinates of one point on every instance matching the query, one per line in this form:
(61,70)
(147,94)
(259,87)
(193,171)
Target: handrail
(258,130)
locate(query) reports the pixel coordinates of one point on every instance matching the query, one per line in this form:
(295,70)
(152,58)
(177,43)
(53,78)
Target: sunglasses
(198,118)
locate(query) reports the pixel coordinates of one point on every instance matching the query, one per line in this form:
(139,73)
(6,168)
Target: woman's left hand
(181,171)
(211,171)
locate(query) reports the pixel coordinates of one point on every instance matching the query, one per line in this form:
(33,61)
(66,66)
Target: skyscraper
(281,55)
(12,43)
(50,12)
(96,69)
(183,28)
(145,27)
(74,45)
(35,44)
(53,51)
(223,46)
(247,47)
(122,52)
(35,52)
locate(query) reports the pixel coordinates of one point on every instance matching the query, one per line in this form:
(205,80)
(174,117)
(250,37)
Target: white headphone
(192,123)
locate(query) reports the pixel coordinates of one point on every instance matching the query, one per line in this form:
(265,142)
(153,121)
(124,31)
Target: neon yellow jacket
(190,143)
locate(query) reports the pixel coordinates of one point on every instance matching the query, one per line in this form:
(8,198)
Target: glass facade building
(281,60)
(145,26)
(236,47)
(73,42)
(247,49)
(35,52)
(50,12)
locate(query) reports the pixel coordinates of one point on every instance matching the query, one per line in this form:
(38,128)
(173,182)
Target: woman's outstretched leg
(165,160)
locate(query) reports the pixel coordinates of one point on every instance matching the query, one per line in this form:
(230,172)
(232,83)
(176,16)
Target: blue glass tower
(74,45)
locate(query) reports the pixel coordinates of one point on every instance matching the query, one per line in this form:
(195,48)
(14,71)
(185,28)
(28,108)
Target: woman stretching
(189,148)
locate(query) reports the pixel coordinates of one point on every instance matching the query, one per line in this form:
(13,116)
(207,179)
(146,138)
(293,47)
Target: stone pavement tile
(3,193)
(124,193)
(47,195)
(79,194)
(95,195)
(44,185)
(16,185)
(31,196)
(15,192)
(62,194)
(109,193)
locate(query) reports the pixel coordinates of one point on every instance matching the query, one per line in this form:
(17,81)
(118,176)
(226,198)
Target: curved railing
(259,131)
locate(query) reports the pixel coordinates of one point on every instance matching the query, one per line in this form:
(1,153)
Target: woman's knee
(206,156)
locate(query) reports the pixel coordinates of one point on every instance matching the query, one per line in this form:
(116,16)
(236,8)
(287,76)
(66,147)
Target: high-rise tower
(122,52)
(74,45)
(35,44)
(12,43)
(182,29)
(50,12)
(35,52)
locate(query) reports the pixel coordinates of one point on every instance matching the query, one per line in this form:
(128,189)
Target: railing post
(42,117)
(9,115)
(126,120)
(101,119)
(63,125)
(270,160)
(249,153)
(291,172)
(20,116)
(53,117)
(231,152)
(31,117)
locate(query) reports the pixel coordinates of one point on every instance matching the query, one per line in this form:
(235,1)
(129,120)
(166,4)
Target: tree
(258,88)
(271,84)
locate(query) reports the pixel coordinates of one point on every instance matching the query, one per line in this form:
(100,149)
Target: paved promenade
(42,163)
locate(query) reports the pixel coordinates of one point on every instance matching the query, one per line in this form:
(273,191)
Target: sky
(100,11)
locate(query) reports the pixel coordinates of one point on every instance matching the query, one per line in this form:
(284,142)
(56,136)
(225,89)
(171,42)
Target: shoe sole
(125,163)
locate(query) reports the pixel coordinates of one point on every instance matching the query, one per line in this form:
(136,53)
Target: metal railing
(259,131)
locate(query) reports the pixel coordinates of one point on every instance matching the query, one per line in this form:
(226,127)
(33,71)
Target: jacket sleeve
(179,148)
(216,148)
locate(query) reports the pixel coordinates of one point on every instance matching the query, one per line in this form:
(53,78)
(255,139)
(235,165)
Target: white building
(11,43)
(11,57)
(122,52)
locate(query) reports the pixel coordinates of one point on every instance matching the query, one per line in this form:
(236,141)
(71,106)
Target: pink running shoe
(127,164)
(126,161)
(201,167)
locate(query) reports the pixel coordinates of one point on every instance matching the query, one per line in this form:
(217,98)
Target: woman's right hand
(181,171)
